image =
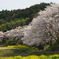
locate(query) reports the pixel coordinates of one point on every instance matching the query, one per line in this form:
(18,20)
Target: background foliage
(14,18)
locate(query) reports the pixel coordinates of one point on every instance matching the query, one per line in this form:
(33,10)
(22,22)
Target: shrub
(10,42)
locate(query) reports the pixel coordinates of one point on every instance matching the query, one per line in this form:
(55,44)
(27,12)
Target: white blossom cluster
(1,36)
(16,33)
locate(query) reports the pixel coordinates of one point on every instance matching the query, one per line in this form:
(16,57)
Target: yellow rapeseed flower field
(18,46)
(56,56)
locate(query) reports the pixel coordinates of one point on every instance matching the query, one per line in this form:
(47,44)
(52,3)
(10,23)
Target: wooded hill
(14,18)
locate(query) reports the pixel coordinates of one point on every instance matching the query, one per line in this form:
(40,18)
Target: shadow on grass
(25,52)
(43,53)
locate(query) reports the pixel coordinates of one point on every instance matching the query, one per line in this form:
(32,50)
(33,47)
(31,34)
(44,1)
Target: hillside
(14,18)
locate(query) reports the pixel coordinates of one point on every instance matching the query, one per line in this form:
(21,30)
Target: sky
(21,4)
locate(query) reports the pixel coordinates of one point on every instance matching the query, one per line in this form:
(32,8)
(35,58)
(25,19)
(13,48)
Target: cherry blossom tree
(43,28)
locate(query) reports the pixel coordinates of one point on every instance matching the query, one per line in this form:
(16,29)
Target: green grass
(7,52)
(23,51)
